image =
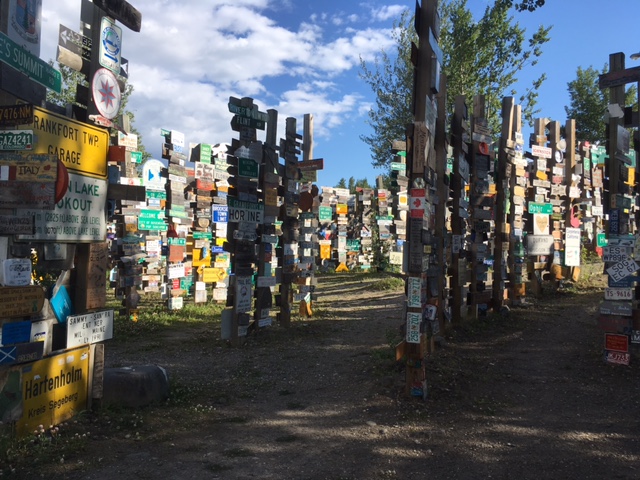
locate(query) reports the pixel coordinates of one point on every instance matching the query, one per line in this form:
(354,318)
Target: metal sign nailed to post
(37,70)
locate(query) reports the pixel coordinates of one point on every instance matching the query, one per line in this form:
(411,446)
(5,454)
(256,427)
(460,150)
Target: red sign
(614,323)
(616,343)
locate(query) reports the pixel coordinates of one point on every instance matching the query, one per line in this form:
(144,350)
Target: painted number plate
(622,269)
(618,294)
(618,358)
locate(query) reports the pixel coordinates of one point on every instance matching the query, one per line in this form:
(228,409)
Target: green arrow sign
(37,70)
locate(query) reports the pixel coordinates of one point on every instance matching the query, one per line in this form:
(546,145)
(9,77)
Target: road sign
(110,45)
(542,208)
(37,70)
(74,50)
(240,211)
(238,122)
(105,93)
(247,167)
(81,147)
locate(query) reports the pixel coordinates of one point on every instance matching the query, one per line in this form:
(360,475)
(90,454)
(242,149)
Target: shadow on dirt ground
(526,396)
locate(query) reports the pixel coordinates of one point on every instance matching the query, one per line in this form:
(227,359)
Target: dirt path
(527,397)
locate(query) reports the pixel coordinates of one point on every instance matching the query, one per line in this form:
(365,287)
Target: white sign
(413,327)
(622,269)
(78,217)
(110,45)
(15,272)
(129,141)
(572,247)
(618,294)
(539,244)
(538,151)
(89,328)
(244,294)
(414,292)
(176,270)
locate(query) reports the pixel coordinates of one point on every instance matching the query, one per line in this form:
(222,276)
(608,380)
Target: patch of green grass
(45,446)
(388,283)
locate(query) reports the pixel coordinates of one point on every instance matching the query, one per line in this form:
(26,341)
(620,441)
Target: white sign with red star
(106,93)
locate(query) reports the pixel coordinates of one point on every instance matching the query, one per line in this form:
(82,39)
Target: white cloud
(187,60)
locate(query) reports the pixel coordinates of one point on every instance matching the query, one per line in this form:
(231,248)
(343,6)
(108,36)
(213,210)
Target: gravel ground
(521,397)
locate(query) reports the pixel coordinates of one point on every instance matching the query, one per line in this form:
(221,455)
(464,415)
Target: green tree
(391,79)
(342,183)
(480,57)
(588,104)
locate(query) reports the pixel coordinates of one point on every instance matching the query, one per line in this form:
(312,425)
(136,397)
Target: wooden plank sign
(28,181)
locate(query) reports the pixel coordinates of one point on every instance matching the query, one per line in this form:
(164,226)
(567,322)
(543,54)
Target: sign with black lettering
(89,328)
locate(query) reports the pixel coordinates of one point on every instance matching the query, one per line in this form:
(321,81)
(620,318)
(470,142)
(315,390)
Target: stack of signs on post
(267,260)
(342,221)
(204,184)
(221,259)
(308,250)
(325,218)
(593,213)
(366,240)
(516,178)
(616,318)
(179,218)
(481,207)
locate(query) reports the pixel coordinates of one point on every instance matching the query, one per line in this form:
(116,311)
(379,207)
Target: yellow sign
(325,252)
(212,275)
(81,147)
(54,389)
(197,260)
(342,209)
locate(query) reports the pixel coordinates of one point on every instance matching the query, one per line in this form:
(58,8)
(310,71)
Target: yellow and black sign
(83,148)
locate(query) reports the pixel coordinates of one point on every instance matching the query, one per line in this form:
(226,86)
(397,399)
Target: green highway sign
(151,214)
(542,208)
(136,157)
(160,194)
(239,121)
(247,167)
(152,224)
(37,70)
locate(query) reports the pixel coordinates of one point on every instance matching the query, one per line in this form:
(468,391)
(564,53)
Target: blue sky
(303,57)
